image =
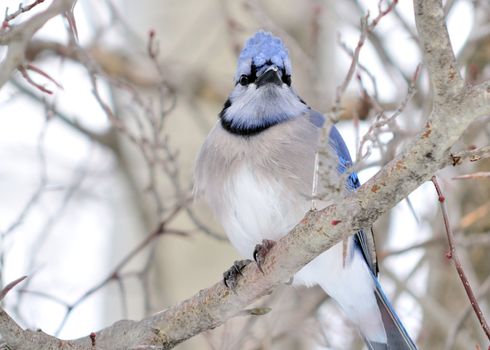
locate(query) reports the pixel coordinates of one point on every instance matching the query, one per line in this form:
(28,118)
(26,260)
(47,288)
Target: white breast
(258,207)
(258,187)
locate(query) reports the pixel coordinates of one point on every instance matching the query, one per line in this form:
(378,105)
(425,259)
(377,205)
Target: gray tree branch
(434,40)
(17,37)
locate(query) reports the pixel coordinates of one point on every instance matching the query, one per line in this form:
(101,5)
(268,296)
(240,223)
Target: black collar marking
(240,130)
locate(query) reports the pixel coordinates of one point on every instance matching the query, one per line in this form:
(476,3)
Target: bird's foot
(261,251)
(230,277)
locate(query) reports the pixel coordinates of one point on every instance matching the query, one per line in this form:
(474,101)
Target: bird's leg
(230,276)
(261,251)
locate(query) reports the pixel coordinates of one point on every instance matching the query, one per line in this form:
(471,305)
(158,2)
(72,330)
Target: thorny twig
(27,77)
(17,37)
(9,286)
(457,263)
(23,70)
(22,9)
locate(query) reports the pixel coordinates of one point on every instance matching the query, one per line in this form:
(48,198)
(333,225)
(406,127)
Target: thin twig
(39,71)
(115,274)
(366,28)
(22,9)
(382,119)
(28,78)
(451,339)
(473,155)
(478,175)
(352,68)
(457,263)
(11,285)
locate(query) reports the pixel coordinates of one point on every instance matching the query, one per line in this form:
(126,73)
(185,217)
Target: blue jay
(255,171)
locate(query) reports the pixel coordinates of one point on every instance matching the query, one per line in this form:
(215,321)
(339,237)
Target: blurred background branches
(103,111)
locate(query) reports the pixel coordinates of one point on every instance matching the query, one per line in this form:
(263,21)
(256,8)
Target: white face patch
(253,106)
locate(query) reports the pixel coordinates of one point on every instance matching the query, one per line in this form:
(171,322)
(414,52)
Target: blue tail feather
(396,334)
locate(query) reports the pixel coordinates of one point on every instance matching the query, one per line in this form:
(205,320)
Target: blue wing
(361,239)
(397,336)
(337,143)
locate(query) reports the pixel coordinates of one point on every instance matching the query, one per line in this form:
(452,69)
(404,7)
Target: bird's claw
(230,276)
(261,251)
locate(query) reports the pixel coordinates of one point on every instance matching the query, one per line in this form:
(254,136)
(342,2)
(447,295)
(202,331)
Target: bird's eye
(243,80)
(286,79)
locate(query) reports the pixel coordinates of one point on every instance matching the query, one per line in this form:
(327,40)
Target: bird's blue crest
(259,49)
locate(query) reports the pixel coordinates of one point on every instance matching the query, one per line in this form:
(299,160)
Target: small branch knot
(92,338)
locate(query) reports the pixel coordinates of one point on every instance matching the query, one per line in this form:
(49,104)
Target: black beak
(271,75)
